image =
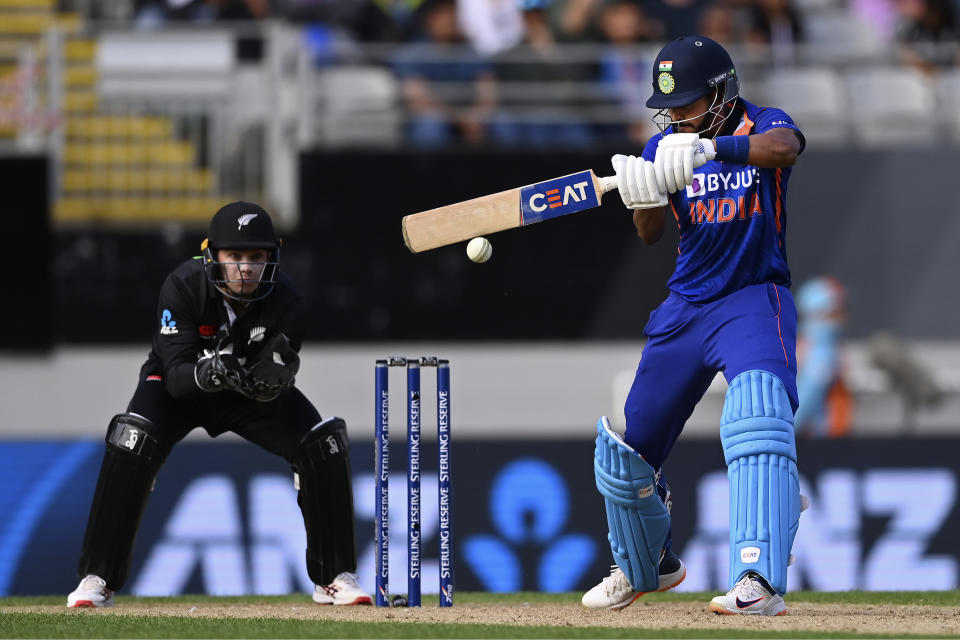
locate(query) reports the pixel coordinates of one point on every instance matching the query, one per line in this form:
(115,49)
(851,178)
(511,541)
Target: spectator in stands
(449,91)
(825,409)
(540,61)
(679,17)
(243,9)
(149,14)
(491,26)
(927,33)
(717,22)
(879,15)
(155,13)
(575,20)
(624,73)
(776,24)
(373,20)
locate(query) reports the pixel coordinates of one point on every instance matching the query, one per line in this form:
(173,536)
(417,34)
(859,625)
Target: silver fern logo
(245,219)
(256,334)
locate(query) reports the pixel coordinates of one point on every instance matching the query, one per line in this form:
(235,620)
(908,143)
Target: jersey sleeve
(771,118)
(177,341)
(292,322)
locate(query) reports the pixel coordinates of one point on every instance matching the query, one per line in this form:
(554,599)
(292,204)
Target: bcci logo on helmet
(666,83)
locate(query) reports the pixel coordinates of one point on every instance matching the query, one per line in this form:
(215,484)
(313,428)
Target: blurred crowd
(501,49)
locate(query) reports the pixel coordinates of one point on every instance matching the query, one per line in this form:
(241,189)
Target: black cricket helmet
(687,69)
(241,225)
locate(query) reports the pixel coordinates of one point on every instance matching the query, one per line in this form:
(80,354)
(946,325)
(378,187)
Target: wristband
(733,148)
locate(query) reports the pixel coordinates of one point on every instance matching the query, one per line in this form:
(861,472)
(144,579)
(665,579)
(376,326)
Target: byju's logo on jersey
(557,197)
(709,182)
(698,187)
(168,326)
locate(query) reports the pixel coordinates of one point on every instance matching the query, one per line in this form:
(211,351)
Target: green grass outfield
(171,619)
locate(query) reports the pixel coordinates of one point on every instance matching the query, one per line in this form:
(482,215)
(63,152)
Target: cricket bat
(504,210)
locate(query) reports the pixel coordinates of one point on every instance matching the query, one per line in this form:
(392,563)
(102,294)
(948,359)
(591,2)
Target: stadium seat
(837,37)
(815,100)
(947,88)
(891,106)
(357,106)
(753,90)
(165,65)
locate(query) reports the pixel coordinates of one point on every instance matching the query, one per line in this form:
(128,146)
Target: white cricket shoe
(344,590)
(749,597)
(615,591)
(92,592)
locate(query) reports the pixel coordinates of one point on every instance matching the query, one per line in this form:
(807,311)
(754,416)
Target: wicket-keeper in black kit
(224,357)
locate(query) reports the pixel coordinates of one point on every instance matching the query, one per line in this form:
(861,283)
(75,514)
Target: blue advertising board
(223,518)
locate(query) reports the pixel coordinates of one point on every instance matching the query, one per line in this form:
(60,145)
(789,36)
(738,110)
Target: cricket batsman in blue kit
(720,168)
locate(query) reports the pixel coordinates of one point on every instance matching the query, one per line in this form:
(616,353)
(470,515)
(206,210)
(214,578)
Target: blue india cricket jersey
(732,220)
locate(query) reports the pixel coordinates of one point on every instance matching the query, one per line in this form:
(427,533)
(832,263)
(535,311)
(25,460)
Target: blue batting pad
(636,516)
(758,444)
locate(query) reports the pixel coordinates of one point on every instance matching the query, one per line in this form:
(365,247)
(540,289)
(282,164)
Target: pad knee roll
(134,434)
(322,463)
(637,518)
(760,451)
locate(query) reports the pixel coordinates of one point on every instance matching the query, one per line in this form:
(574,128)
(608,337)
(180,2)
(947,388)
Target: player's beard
(715,118)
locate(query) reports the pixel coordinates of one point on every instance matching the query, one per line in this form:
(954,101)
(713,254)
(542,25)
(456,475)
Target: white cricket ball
(479,249)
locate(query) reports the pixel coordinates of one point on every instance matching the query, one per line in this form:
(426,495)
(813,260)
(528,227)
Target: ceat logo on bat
(557,197)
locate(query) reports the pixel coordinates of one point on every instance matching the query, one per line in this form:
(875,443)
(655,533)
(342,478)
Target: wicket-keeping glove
(219,369)
(275,370)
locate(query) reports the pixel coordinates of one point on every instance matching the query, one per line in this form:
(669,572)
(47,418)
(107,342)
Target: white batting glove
(637,182)
(678,154)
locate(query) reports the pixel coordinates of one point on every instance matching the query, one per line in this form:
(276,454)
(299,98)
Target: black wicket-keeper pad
(130,463)
(322,463)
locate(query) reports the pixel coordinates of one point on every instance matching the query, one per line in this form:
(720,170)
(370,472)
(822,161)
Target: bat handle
(607,183)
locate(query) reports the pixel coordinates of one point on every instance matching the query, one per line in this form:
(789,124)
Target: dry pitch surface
(801,616)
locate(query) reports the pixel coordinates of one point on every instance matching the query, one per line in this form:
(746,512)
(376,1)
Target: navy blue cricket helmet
(687,68)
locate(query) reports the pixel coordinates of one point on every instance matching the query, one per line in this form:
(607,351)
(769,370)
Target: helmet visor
(243,281)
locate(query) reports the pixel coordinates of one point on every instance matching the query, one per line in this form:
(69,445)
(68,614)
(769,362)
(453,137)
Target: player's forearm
(775,148)
(649,223)
(419,97)
(485,89)
(180,380)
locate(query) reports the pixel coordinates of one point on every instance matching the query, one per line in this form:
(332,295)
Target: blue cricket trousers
(753,328)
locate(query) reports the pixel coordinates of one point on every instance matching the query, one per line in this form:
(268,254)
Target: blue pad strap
(636,516)
(758,444)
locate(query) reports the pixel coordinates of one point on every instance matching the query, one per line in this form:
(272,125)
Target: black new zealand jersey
(192,316)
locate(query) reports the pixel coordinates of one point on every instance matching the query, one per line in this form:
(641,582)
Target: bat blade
(504,210)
